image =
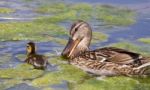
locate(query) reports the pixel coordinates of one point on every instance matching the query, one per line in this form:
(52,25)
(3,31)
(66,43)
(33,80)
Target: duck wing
(110,68)
(112,54)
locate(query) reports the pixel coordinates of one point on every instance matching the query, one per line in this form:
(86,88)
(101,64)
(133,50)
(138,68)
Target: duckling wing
(38,61)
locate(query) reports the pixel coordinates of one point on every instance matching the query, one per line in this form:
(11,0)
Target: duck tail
(143,69)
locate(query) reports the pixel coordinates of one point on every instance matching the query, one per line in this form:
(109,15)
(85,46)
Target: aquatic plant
(67,72)
(114,15)
(4,10)
(144,40)
(108,83)
(9,83)
(52,8)
(99,37)
(107,14)
(132,47)
(23,71)
(30,31)
(5,57)
(70,15)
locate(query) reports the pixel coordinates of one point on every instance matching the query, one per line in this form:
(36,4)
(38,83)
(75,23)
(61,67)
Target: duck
(106,61)
(37,60)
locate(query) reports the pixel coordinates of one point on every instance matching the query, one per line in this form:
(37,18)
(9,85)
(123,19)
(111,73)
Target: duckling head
(79,40)
(30,48)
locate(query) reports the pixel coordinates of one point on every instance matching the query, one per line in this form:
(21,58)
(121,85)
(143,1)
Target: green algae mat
(51,28)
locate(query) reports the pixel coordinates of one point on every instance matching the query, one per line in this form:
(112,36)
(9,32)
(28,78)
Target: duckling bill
(38,61)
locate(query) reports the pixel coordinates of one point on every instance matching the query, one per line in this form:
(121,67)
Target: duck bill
(70,47)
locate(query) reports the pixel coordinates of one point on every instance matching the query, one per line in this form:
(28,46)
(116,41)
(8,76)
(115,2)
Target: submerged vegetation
(115,16)
(23,71)
(99,37)
(4,10)
(117,83)
(132,47)
(50,28)
(104,13)
(29,31)
(144,40)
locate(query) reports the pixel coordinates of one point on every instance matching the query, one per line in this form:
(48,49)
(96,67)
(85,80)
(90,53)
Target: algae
(111,15)
(9,83)
(115,15)
(67,72)
(132,47)
(126,45)
(52,8)
(69,15)
(5,57)
(24,71)
(4,10)
(30,31)
(144,40)
(99,37)
(21,57)
(109,83)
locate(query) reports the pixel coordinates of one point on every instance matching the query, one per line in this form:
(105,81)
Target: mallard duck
(108,61)
(38,61)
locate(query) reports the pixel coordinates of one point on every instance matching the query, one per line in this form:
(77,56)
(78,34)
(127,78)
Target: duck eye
(75,29)
(27,46)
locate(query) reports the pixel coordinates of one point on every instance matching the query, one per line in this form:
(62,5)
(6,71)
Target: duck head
(79,40)
(30,48)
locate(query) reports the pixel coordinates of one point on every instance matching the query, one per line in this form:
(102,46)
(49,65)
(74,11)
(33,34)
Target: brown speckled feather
(107,68)
(112,54)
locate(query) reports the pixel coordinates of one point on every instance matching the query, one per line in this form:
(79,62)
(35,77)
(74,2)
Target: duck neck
(82,47)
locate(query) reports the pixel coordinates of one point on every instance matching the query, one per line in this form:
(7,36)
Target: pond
(123,24)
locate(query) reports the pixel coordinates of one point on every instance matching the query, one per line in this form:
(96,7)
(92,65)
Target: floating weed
(131,47)
(5,58)
(21,57)
(84,11)
(30,31)
(127,45)
(4,10)
(114,15)
(48,79)
(52,8)
(67,72)
(61,11)
(81,6)
(9,83)
(106,13)
(20,72)
(47,88)
(110,83)
(69,15)
(97,37)
(144,40)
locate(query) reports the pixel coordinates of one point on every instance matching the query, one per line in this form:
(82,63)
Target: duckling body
(38,61)
(107,61)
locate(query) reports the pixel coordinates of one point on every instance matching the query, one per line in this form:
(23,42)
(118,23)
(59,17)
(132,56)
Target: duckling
(108,61)
(38,61)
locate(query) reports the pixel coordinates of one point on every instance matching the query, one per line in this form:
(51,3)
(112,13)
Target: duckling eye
(27,46)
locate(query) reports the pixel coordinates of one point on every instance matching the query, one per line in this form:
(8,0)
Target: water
(24,12)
